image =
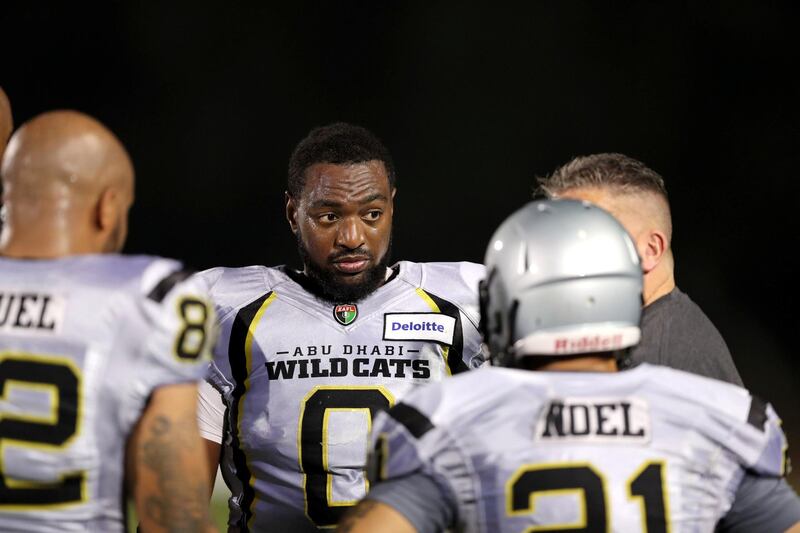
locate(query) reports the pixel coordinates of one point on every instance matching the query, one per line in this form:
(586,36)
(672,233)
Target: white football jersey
(84,340)
(645,450)
(301,380)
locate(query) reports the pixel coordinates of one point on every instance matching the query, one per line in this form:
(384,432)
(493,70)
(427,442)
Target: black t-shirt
(676,333)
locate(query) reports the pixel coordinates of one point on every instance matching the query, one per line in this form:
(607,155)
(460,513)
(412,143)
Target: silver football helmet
(563,278)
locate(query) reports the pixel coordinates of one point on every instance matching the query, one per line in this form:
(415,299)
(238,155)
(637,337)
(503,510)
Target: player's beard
(328,288)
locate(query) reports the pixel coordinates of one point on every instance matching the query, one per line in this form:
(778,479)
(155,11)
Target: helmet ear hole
(498,323)
(512,320)
(483,305)
(483,308)
(508,351)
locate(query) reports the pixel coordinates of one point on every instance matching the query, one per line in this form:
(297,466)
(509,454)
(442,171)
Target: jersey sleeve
(225,296)
(769,456)
(176,328)
(751,431)
(742,424)
(453,290)
(228,290)
(474,353)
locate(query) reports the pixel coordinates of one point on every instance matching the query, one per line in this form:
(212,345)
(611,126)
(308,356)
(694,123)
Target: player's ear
(291,211)
(107,210)
(652,247)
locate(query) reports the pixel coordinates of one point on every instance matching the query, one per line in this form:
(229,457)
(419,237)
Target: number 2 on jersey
(58,379)
(581,479)
(314,435)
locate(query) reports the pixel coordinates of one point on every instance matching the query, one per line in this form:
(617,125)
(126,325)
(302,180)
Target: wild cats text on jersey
(359,360)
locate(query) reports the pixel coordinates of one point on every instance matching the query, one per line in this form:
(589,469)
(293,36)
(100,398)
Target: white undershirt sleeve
(210,413)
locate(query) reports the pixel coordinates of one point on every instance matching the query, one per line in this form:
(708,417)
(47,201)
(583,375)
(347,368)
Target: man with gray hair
(675,331)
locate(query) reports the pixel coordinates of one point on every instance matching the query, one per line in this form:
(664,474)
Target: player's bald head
(6,121)
(67,188)
(65,153)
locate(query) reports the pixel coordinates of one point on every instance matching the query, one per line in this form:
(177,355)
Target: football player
(573,445)
(6,121)
(100,353)
(306,358)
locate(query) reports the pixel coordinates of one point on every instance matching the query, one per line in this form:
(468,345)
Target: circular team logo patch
(345,314)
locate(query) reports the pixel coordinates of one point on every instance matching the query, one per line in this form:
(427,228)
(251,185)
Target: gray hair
(612,170)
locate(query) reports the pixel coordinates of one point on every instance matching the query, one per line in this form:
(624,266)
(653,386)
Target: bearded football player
(307,358)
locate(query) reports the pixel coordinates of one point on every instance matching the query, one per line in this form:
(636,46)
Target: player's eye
(373,215)
(327,218)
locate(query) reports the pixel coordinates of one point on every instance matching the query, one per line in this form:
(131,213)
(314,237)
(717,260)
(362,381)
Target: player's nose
(351,233)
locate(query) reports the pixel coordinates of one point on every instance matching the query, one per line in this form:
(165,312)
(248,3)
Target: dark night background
(473,100)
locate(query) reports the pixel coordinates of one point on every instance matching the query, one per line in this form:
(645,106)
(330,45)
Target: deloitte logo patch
(345,314)
(435,327)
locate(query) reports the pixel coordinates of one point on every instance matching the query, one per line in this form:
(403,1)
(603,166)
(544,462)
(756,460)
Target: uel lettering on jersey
(595,420)
(28,312)
(340,367)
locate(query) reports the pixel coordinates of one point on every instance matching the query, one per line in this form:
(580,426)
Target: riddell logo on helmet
(592,343)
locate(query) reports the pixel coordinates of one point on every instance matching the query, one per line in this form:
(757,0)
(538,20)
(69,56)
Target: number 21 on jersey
(528,489)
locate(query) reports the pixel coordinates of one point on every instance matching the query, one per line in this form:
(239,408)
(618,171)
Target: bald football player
(100,353)
(6,121)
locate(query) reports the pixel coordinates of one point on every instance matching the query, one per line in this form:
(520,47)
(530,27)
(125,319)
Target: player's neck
(43,242)
(588,363)
(658,282)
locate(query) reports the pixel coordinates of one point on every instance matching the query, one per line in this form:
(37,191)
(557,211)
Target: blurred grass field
(219,504)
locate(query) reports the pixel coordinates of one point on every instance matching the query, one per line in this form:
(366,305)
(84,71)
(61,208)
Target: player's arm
(213,450)
(410,504)
(370,516)
(210,420)
(762,503)
(165,469)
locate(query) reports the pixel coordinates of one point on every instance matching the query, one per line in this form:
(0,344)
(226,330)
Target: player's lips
(351,265)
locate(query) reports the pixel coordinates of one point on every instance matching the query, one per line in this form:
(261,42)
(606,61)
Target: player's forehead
(616,201)
(600,196)
(337,184)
